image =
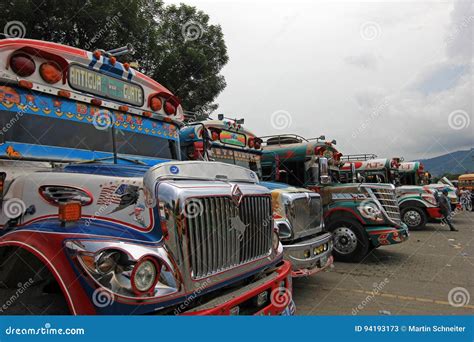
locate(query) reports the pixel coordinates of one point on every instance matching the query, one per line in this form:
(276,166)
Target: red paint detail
(434,213)
(224,309)
(51,254)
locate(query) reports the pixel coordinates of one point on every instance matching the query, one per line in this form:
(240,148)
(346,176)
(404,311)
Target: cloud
(460,37)
(365,61)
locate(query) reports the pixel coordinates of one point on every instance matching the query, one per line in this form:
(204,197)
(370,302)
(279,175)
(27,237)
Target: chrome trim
(295,253)
(385,197)
(303,213)
(172,199)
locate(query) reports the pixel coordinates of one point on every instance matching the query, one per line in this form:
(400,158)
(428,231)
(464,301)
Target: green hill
(455,163)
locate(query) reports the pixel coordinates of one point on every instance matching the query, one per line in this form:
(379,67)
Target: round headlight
(275,240)
(145,275)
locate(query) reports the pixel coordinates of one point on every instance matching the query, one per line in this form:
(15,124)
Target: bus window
(292,173)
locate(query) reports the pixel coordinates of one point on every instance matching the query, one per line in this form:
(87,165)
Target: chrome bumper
(307,258)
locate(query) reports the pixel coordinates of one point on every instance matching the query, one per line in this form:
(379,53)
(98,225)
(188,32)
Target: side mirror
(220,117)
(240,121)
(324,177)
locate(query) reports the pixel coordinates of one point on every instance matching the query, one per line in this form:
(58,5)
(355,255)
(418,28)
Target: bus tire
(414,217)
(351,242)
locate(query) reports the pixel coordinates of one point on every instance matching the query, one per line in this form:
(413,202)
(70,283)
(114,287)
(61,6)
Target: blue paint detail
(274,185)
(105,229)
(174,169)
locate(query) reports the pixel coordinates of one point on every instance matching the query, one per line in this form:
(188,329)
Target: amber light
(155,104)
(50,72)
(25,84)
(22,65)
(123,108)
(70,211)
(64,93)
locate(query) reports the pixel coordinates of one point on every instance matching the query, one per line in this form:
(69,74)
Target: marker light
(69,212)
(50,72)
(155,104)
(22,65)
(169,108)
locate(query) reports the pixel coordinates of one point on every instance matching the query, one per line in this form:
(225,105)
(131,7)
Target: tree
(175,45)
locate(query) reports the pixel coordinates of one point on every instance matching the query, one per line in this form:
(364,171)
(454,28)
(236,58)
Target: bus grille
(305,213)
(388,200)
(222,235)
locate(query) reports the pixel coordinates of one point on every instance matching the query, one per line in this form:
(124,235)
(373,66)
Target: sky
(390,78)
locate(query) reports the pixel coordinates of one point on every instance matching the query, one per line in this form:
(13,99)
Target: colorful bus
(98,217)
(297,212)
(360,216)
(371,168)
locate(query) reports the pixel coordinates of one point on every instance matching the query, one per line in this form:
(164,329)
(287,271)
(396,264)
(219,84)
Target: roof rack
(284,139)
(358,157)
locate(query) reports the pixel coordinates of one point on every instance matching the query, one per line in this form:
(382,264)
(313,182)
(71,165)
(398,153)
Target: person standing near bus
(445,208)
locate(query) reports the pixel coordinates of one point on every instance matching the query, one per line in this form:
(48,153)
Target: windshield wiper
(131,160)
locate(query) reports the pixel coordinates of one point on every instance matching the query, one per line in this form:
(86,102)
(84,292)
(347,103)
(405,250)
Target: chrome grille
(304,213)
(222,235)
(388,200)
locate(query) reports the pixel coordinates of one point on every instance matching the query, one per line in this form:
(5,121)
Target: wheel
(351,242)
(414,218)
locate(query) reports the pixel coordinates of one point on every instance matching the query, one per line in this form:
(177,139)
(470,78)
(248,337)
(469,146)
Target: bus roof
(368,165)
(303,149)
(66,56)
(411,167)
(466,176)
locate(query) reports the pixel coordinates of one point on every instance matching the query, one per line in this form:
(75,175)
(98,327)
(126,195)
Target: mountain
(455,163)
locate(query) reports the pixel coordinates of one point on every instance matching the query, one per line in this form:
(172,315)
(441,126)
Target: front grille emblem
(236,195)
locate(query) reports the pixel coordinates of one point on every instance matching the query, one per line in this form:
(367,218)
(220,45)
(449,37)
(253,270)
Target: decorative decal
(239,227)
(42,104)
(236,195)
(174,169)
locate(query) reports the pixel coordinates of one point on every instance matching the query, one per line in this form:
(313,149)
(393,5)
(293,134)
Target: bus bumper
(388,235)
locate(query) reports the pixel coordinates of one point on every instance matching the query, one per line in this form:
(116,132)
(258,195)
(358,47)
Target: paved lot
(412,278)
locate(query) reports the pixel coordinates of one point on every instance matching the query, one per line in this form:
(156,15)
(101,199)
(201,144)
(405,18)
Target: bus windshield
(50,131)
(245,159)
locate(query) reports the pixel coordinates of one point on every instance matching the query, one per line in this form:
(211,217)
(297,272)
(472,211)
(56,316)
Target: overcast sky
(389,78)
